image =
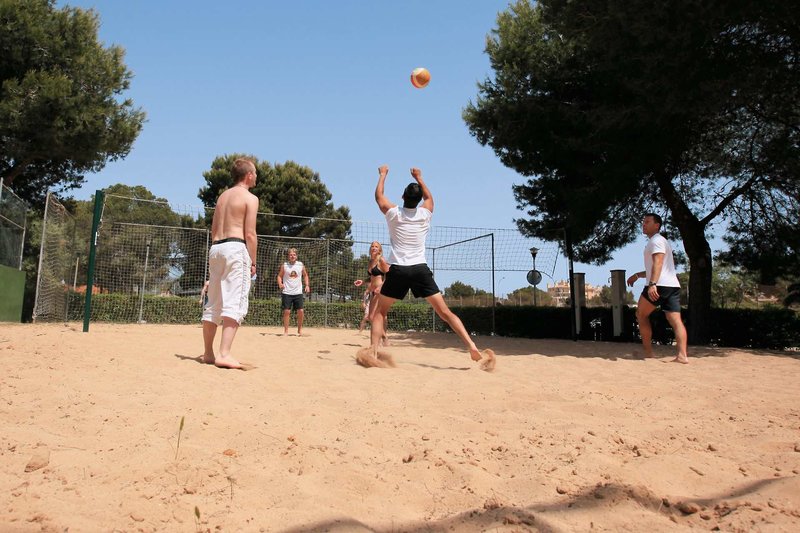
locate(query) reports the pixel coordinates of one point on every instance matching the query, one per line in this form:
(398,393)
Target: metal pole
(99,199)
(41,255)
(433,271)
(144,281)
(327,276)
(568,243)
(534,287)
(205,270)
(494,299)
(22,244)
(75,279)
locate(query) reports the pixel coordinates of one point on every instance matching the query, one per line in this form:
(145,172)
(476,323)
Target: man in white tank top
(408,228)
(663,288)
(290,281)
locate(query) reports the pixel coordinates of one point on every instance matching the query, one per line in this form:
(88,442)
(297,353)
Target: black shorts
(400,279)
(289,301)
(669,298)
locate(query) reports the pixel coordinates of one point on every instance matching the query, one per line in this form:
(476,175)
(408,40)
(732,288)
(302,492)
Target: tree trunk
(698,251)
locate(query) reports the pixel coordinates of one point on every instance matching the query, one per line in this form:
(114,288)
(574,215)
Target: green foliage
(525,295)
(122,308)
(613,109)
(61,112)
(285,189)
(770,328)
(460,290)
(604,298)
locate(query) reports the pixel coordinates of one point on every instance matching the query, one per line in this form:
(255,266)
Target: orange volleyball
(420,77)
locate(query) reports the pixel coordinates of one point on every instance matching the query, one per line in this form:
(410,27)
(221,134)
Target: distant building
(560,292)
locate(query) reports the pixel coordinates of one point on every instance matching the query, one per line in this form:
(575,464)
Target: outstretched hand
(416,173)
(383,170)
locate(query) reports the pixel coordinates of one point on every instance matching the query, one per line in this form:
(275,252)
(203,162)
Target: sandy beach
(562,436)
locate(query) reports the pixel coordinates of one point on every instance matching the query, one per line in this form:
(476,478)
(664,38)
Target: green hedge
(124,308)
(772,328)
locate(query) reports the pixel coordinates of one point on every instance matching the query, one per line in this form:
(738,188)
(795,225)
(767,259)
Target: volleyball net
(151,261)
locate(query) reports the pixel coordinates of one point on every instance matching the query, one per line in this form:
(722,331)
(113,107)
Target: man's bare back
(235,218)
(231,213)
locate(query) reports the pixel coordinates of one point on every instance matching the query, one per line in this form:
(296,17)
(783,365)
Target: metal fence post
(99,200)
(41,255)
(327,276)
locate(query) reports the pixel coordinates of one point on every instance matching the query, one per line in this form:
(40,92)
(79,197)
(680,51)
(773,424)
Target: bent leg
(643,312)
(209,332)
(440,306)
(674,319)
(378,330)
(373,310)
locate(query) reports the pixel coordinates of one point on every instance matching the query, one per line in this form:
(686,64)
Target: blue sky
(322,83)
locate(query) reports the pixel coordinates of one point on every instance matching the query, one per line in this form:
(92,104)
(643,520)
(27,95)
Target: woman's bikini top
(375,272)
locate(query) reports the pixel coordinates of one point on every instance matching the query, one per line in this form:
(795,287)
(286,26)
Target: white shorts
(228,282)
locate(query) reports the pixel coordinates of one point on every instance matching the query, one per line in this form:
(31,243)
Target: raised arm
(427,197)
(383,203)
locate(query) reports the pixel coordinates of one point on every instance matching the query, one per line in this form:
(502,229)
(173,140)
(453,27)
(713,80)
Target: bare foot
(385,340)
(475,354)
(644,355)
(285,333)
(208,359)
(488,360)
(370,357)
(228,362)
(683,360)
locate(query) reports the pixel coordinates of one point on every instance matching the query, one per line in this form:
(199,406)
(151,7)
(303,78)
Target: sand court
(561,436)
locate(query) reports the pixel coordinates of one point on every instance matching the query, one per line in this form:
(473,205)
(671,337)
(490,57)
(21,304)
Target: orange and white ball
(420,77)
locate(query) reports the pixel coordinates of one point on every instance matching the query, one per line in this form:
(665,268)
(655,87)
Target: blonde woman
(376,272)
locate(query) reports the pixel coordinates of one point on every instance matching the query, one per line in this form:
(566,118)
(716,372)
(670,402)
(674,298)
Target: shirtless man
(231,263)
(663,288)
(408,229)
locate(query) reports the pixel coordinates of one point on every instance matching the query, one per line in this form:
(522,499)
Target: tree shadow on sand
(552,517)
(612,351)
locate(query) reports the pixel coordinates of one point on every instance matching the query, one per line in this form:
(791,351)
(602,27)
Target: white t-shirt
(293,278)
(408,229)
(659,245)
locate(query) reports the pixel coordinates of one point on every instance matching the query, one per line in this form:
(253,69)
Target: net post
(22,243)
(99,199)
(144,281)
(433,271)
(573,315)
(327,277)
(494,298)
(41,254)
